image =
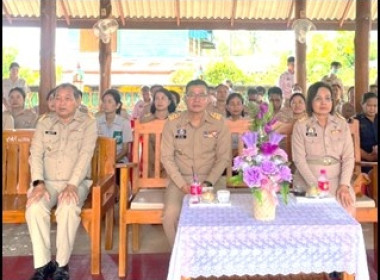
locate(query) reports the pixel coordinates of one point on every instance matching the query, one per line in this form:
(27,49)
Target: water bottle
(323,182)
(195,190)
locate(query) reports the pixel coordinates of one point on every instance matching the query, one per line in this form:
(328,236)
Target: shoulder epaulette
(304,118)
(43,116)
(339,115)
(174,116)
(216,115)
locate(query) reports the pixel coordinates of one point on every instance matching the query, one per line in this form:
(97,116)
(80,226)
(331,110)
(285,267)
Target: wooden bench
(100,201)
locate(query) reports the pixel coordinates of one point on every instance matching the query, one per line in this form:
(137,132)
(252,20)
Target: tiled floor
(150,263)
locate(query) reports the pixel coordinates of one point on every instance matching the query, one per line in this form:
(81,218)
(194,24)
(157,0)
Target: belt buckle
(327,161)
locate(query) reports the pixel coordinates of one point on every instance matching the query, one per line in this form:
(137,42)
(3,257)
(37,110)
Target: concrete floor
(16,240)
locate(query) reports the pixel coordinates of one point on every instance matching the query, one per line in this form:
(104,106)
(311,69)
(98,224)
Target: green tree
(182,76)
(9,56)
(218,72)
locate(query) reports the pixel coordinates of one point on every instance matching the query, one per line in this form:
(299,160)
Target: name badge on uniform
(311,131)
(336,130)
(181,133)
(50,132)
(210,134)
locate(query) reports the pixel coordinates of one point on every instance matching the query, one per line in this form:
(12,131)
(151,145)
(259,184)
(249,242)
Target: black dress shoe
(44,272)
(61,273)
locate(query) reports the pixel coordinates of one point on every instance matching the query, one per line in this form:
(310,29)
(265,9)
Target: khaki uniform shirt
(63,152)
(311,142)
(25,119)
(220,110)
(286,82)
(206,148)
(8,122)
(8,84)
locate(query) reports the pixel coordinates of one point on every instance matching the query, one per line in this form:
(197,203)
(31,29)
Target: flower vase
(264,210)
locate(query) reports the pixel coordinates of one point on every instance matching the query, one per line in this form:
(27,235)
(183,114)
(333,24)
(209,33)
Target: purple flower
(252,176)
(249,139)
(267,128)
(275,138)
(238,162)
(249,152)
(285,173)
(263,110)
(281,153)
(268,167)
(268,148)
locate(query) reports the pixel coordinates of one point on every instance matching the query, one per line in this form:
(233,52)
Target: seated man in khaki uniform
(192,140)
(61,153)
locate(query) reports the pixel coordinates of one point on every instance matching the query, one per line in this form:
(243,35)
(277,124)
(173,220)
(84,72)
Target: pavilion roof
(192,14)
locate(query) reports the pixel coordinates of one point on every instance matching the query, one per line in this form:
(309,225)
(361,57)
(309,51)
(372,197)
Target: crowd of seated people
(302,115)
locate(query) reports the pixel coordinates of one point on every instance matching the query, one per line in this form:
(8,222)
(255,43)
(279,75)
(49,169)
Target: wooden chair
(145,204)
(365,214)
(99,203)
(237,128)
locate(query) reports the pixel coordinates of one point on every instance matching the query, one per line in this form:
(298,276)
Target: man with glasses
(192,141)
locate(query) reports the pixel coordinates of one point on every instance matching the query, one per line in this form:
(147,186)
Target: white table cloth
(304,237)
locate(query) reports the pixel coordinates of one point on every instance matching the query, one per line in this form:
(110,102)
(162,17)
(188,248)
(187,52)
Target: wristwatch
(209,184)
(37,182)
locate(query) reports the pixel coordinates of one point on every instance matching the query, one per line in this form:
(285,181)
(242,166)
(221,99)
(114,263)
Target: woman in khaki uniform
(163,104)
(23,118)
(323,141)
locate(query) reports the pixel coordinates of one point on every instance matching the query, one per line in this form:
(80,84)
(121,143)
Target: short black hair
(290,59)
(312,92)
(76,91)
(177,96)
(251,90)
(14,64)
(336,64)
(197,82)
(260,90)
(275,90)
(368,95)
(295,95)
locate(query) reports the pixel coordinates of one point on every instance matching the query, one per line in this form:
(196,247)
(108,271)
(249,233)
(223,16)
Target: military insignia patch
(311,131)
(210,134)
(216,115)
(174,116)
(181,133)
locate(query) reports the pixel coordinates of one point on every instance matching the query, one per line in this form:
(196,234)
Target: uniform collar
(206,117)
(116,120)
(330,119)
(78,116)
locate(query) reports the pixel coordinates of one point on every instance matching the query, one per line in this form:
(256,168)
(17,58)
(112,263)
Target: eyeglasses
(193,95)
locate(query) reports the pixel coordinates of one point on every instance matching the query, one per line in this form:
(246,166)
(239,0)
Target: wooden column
(105,57)
(47,52)
(300,63)
(362,29)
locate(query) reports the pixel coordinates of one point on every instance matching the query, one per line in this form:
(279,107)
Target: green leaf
(284,191)
(236,179)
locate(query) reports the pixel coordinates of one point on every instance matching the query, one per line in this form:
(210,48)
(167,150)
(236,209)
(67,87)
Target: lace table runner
(307,238)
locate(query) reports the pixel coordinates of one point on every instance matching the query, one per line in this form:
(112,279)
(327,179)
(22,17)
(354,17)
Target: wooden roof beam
(290,14)
(120,7)
(233,12)
(177,12)
(65,12)
(7,15)
(345,13)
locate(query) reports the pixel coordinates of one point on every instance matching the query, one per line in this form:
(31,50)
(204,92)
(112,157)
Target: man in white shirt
(286,80)
(12,82)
